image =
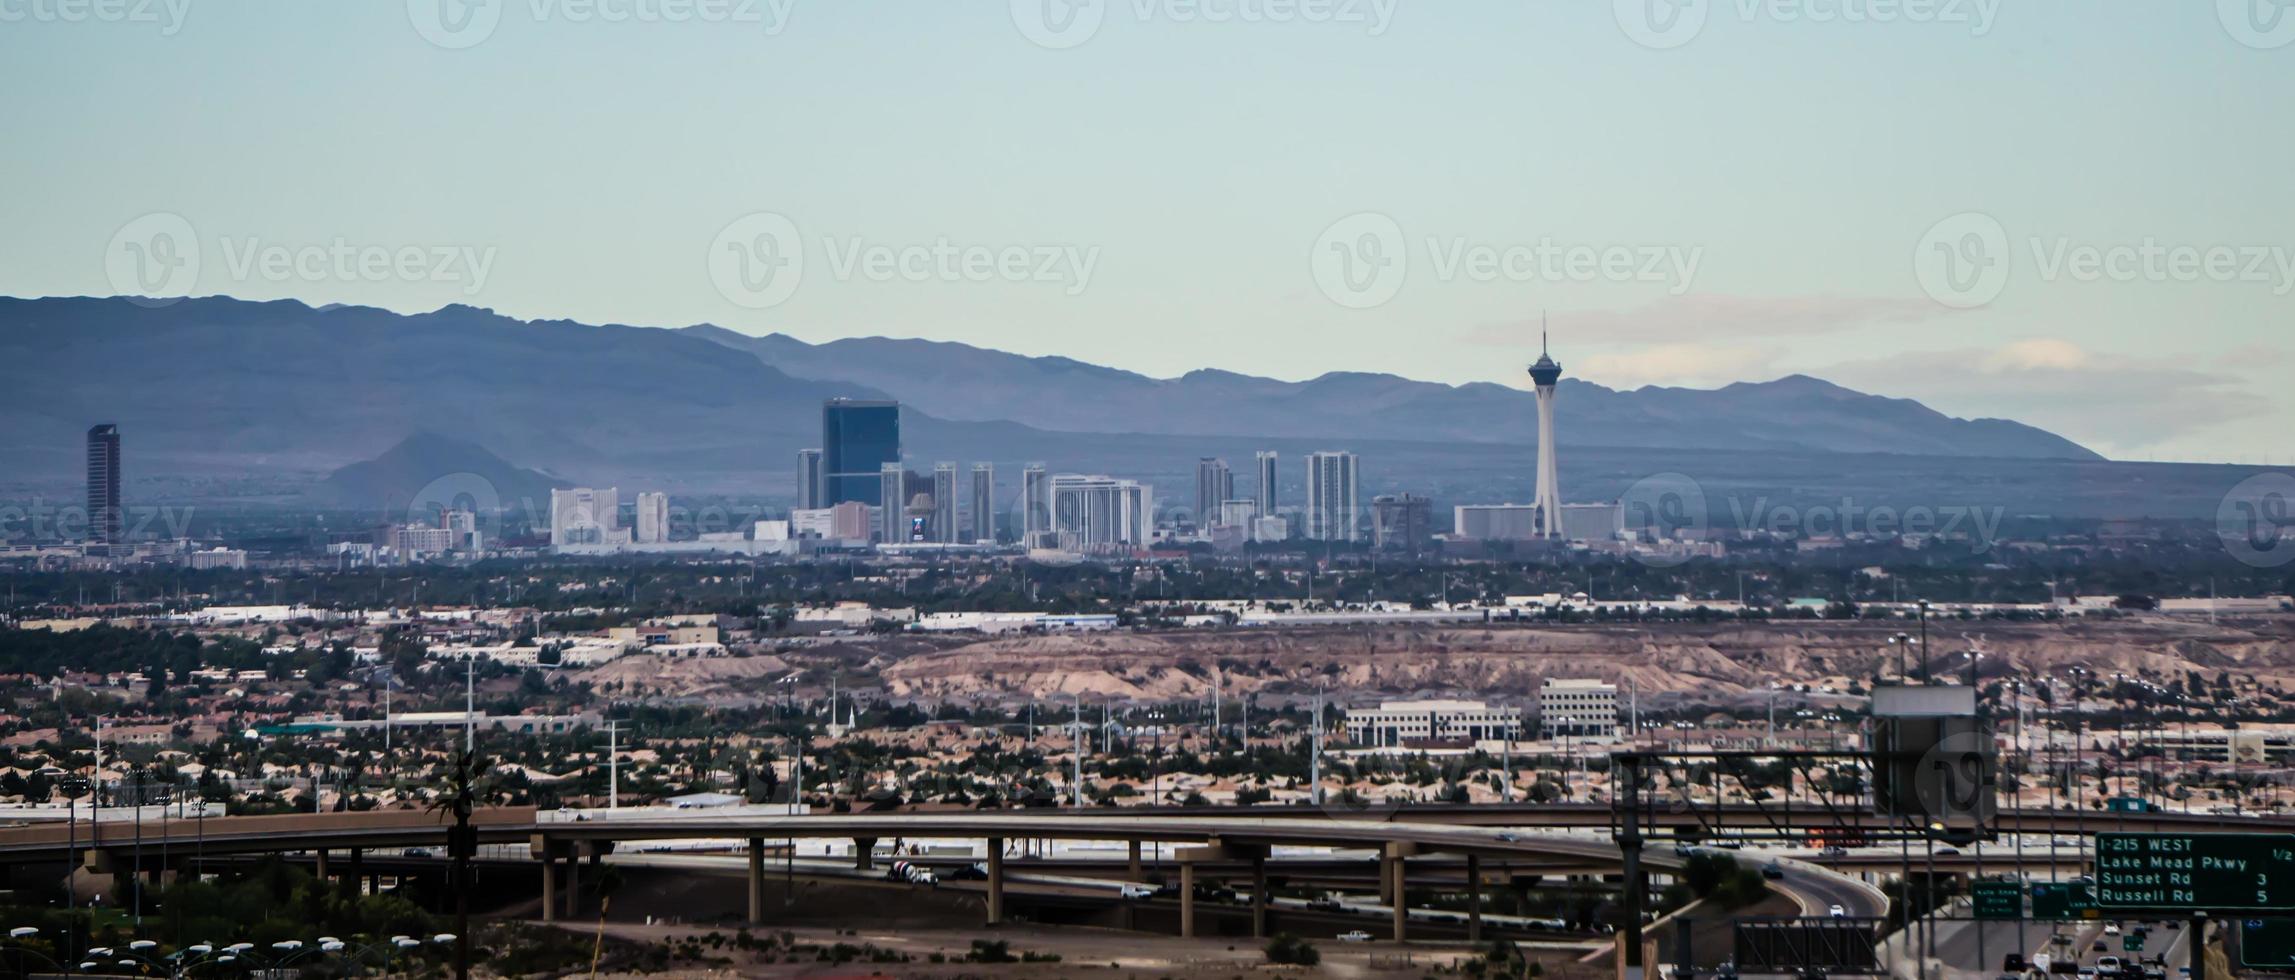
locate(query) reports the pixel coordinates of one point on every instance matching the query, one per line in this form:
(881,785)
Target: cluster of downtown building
(854,491)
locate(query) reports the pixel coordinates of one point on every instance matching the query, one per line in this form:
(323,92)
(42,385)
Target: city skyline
(1816,269)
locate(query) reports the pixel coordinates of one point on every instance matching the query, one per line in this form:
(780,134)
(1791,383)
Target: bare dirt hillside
(1713,661)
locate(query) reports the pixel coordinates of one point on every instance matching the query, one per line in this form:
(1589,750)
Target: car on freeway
(1355,936)
(1508,838)
(1837,912)
(1131,891)
(1773,871)
(2111,928)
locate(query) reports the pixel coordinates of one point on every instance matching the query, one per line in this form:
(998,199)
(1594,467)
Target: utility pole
(1315,750)
(1076,745)
(469,704)
(613,765)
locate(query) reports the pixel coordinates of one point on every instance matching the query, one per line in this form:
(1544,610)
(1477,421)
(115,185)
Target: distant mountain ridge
(1796,413)
(219,391)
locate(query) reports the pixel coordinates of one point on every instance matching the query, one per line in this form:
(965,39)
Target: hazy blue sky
(1956,202)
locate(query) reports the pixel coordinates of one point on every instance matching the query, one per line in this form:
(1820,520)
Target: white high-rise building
(944,529)
(1035,504)
(892,504)
(1266,491)
(1101,514)
(1333,509)
(809,477)
(1549,498)
(984,503)
(585,516)
(652,518)
(1214,484)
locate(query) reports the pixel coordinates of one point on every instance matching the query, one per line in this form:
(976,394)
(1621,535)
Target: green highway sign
(2065,901)
(2195,872)
(2132,943)
(1996,899)
(2267,944)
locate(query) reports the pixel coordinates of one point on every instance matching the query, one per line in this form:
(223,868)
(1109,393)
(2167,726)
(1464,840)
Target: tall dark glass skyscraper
(104,485)
(857,439)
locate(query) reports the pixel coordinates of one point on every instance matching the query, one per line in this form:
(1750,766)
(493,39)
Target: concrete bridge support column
(1474,898)
(1397,858)
(573,882)
(995,881)
(358,875)
(549,885)
(1386,879)
(319,865)
(864,853)
(756,881)
(1258,896)
(1187,900)
(1134,867)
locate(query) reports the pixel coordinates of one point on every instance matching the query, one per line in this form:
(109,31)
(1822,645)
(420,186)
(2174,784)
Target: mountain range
(209,391)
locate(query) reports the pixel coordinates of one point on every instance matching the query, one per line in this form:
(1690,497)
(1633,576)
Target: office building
(1401,522)
(1100,514)
(808,480)
(105,522)
(849,521)
(1574,708)
(892,503)
(462,528)
(1035,505)
(1332,506)
(652,526)
(1237,513)
(1271,529)
(1397,722)
(584,516)
(1544,375)
(1593,522)
(1266,492)
(1494,522)
(983,509)
(1214,484)
(944,529)
(858,440)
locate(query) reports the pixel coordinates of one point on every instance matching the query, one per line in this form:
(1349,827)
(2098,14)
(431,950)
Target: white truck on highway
(905,871)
